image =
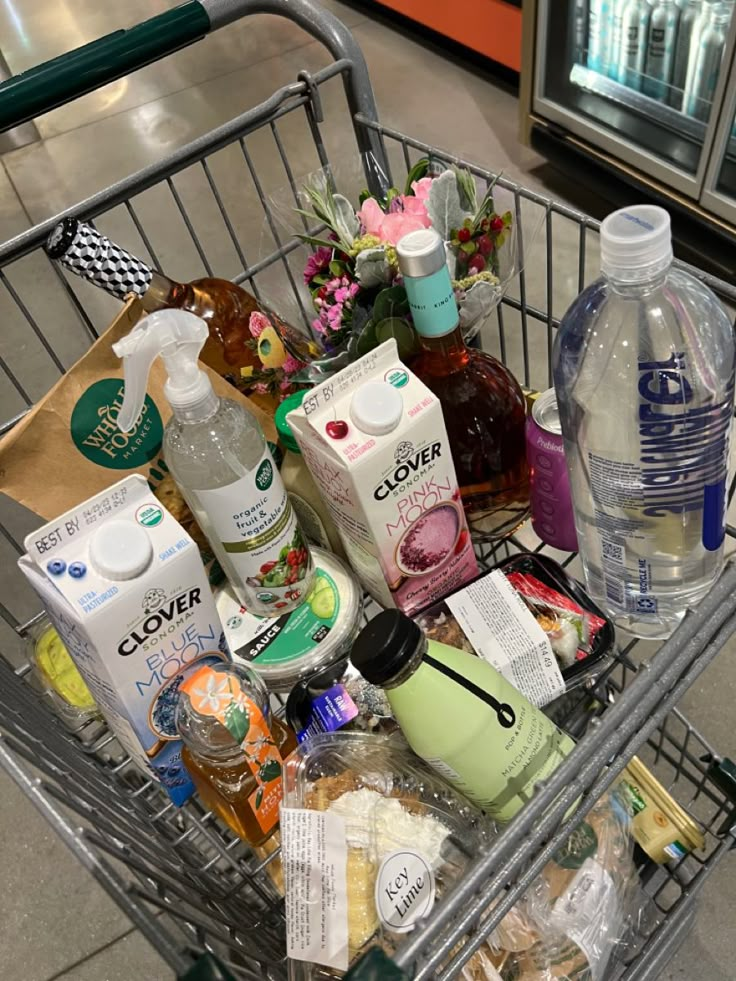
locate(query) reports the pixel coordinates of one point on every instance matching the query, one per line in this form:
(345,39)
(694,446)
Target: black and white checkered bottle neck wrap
(89,254)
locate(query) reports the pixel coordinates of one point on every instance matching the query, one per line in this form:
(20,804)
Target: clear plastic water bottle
(644,374)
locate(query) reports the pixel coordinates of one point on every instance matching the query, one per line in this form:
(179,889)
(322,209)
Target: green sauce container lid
(282,426)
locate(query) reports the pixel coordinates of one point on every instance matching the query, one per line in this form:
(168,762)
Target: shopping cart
(217,895)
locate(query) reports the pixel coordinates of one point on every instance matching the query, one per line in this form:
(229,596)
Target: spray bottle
(217,453)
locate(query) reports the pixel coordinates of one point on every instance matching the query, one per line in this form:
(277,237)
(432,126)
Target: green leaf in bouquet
(486,207)
(348,226)
(366,340)
(372,268)
(338,268)
(466,187)
(393,192)
(469,248)
(315,239)
(237,722)
(444,206)
(391,302)
(403,333)
(417,172)
(364,195)
(271,770)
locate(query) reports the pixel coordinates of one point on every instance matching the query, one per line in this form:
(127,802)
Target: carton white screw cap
(376,408)
(120,550)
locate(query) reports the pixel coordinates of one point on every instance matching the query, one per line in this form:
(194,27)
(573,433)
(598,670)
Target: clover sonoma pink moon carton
(374,438)
(125,587)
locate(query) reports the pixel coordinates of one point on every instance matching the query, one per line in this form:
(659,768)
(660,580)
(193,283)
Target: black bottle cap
(385,646)
(63,235)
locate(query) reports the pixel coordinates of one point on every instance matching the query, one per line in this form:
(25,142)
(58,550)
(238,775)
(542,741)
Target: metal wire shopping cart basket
(151,856)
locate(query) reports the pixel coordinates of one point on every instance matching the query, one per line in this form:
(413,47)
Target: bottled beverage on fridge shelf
(217,454)
(224,306)
(644,373)
(661,42)
(705,59)
(690,11)
(580,30)
(616,17)
(234,747)
(599,34)
(482,404)
(633,49)
(460,714)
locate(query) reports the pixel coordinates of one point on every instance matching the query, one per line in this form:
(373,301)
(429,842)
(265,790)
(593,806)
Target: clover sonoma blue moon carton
(125,587)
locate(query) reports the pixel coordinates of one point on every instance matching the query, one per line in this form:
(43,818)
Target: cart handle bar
(61,80)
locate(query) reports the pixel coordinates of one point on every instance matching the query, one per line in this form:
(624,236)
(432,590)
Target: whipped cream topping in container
(317,633)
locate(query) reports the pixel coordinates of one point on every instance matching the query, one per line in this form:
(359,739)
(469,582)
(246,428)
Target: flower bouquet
(354,284)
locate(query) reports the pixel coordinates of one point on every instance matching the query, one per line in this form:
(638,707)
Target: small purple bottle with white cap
(644,374)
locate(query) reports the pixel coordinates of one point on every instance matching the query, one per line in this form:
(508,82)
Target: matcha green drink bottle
(460,715)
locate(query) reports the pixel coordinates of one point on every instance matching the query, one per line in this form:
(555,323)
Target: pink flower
(421,188)
(258,323)
(284,384)
(395,227)
(292,365)
(371,215)
(261,388)
(409,215)
(317,263)
(415,207)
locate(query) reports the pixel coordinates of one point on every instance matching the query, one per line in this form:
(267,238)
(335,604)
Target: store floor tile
(52,912)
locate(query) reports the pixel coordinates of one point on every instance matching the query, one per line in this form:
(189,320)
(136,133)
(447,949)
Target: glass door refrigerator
(642,84)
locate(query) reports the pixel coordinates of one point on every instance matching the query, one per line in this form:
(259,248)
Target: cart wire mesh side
(181,876)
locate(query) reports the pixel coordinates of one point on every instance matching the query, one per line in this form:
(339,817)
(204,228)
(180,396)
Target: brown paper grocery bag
(69,447)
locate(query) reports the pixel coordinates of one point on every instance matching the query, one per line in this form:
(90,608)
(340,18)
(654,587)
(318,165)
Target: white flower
(216,692)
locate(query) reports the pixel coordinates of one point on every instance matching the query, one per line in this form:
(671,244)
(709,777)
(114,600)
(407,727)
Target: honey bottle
(234,747)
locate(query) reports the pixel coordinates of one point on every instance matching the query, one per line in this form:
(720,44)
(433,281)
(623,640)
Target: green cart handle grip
(65,78)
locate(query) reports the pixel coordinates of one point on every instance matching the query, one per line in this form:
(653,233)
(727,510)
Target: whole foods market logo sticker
(264,477)
(95,432)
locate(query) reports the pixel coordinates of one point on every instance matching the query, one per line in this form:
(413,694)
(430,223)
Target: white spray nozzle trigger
(178,337)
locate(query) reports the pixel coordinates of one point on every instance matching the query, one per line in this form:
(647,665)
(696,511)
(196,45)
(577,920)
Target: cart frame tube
(61,80)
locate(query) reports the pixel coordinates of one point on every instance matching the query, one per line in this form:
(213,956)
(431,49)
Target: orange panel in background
(491,27)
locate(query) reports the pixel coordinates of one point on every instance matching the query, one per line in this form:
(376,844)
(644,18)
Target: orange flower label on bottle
(217,694)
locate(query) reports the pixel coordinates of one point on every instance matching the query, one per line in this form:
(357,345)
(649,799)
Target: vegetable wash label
(257,527)
(218,695)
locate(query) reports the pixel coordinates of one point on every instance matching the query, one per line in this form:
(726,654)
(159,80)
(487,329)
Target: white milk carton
(374,439)
(125,587)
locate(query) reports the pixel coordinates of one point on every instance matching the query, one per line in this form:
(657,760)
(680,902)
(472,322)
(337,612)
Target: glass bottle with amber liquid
(224,306)
(483,405)
(234,747)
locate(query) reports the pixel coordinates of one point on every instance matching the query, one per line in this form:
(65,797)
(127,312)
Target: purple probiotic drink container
(551,503)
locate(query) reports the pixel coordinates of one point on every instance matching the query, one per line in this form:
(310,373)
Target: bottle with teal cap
(482,404)
(461,715)
(311,509)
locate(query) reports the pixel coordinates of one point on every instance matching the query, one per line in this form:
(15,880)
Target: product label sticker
(503,631)
(330,711)
(257,527)
(288,637)
(588,912)
(217,694)
(405,890)
(314,855)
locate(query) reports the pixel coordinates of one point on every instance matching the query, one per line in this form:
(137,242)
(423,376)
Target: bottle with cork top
(482,403)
